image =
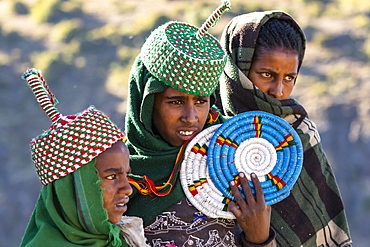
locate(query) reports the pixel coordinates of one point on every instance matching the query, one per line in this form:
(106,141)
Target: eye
(201,101)
(289,78)
(266,74)
(111,177)
(175,102)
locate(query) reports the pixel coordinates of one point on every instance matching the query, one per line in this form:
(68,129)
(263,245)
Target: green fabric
(150,155)
(313,214)
(173,54)
(69,212)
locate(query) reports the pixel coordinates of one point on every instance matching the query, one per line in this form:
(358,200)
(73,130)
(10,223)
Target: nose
(189,115)
(276,90)
(124,187)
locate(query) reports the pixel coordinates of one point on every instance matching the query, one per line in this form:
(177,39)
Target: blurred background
(85,50)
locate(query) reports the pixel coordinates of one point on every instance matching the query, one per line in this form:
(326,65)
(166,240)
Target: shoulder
(306,130)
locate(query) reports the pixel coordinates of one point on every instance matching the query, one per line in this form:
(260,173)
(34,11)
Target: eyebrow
(176,97)
(116,170)
(273,71)
(183,97)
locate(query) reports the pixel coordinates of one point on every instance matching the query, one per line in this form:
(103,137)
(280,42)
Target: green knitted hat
(184,57)
(71,141)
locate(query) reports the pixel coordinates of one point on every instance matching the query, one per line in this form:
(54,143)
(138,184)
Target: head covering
(236,92)
(70,212)
(313,214)
(70,209)
(71,141)
(240,36)
(151,156)
(184,57)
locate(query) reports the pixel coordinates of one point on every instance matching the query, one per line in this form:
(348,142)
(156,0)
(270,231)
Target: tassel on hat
(71,141)
(184,57)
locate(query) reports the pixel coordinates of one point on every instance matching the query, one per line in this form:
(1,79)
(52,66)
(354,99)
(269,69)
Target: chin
(114,222)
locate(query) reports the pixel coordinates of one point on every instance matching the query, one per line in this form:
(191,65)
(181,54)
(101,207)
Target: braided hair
(279,34)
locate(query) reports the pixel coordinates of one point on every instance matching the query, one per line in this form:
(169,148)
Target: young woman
(171,90)
(265,52)
(82,163)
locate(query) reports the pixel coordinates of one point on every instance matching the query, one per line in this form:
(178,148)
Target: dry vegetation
(85,49)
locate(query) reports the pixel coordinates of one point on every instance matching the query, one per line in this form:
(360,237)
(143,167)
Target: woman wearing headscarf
(265,52)
(82,164)
(171,91)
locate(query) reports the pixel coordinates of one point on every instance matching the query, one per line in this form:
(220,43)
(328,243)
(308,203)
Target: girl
(83,165)
(265,52)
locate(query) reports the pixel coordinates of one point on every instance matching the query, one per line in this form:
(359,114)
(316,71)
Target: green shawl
(313,214)
(150,155)
(69,212)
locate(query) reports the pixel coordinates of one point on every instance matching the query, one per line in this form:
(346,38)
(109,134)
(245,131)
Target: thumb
(233,207)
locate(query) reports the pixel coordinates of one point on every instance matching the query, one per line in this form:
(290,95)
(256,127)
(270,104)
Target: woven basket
(255,141)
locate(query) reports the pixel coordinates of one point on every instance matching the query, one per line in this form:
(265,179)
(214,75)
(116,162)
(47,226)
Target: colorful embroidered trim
(146,186)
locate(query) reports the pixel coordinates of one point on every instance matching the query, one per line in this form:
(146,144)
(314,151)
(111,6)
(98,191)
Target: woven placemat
(195,179)
(254,141)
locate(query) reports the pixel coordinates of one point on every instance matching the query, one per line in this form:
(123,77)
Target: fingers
(238,198)
(234,209)
(249,197)
(246,189)
(258,188)
(250,200)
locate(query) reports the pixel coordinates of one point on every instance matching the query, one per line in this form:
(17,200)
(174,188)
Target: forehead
(171,92)
(278,58)
(115,156)
(278,52)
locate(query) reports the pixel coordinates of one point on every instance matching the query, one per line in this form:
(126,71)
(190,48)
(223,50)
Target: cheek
(253,77)
(263,86)
(108,194)
(163,122)
(289,88)
(204,114)
(161,116)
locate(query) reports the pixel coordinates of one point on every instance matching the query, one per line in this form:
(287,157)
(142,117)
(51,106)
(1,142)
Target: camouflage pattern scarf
(313,214)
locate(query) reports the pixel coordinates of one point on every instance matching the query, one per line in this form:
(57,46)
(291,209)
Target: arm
(252,214)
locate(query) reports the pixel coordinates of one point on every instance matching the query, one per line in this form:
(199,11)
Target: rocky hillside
(85,49)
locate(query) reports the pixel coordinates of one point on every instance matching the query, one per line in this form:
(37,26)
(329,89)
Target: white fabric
(133,231)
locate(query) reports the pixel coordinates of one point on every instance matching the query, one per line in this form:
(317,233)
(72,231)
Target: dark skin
(177,116)
(252,214)
(274,73)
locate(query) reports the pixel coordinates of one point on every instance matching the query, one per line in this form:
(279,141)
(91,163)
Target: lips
(121,203)
(186,133)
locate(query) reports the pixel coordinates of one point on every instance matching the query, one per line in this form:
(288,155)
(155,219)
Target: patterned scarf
(69,212)
(150,155)
(313,214)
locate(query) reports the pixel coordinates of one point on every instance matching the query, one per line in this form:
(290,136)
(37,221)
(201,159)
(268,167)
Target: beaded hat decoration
(71,141)
(251,142)
(184,57)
